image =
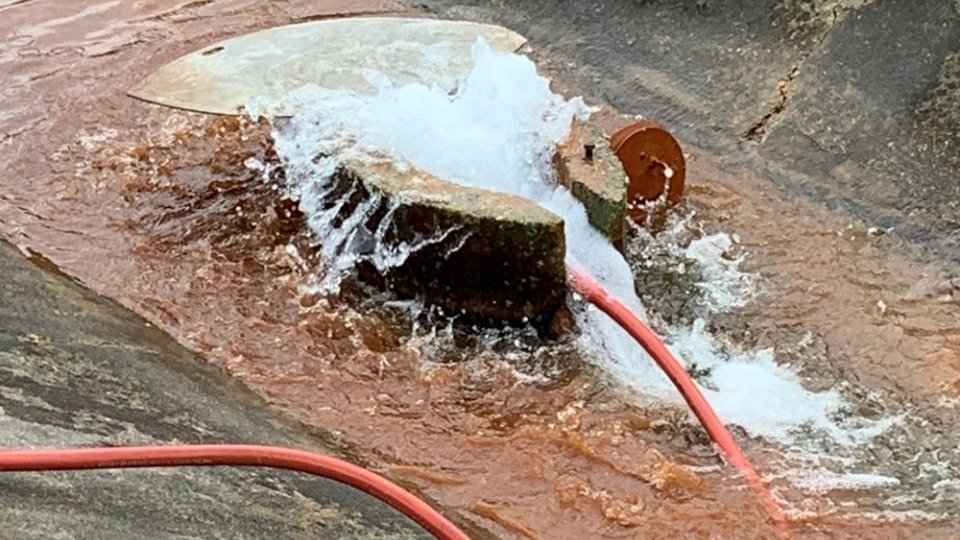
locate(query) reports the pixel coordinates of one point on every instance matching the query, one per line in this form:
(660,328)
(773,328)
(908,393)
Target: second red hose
(598,296)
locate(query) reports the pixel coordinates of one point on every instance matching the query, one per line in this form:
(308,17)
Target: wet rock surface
(78,370)
(831,99)
(854,130)
(938,113)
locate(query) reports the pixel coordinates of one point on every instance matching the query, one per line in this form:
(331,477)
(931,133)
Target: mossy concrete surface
(600,183)
(496,258)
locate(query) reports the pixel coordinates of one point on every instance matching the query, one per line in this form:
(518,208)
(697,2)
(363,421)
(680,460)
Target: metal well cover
(333,54)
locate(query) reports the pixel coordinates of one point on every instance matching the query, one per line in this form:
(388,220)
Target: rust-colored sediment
(155,208)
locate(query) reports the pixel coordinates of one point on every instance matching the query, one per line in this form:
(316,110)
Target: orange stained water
(514,436)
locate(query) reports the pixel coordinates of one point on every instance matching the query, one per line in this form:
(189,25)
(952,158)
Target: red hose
(587,286)
(236,455)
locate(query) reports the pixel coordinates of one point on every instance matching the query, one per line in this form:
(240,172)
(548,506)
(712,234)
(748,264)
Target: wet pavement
(154,208)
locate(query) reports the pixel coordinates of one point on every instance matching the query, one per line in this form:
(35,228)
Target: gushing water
(498,132)
(176,275)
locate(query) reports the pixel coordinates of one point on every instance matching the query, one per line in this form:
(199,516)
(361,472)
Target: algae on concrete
(599,183)
(504,258)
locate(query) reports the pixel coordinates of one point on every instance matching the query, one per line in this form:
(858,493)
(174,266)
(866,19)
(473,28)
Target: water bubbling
(498,131)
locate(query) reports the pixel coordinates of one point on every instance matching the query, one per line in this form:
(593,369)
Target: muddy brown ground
(153,207)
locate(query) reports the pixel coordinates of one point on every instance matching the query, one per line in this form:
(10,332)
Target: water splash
(498,131)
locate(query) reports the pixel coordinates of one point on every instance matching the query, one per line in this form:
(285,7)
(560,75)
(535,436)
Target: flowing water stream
(832,346)
(504,108)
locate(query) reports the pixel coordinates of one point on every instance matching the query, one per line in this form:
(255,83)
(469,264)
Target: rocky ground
(76,370)
(851,103)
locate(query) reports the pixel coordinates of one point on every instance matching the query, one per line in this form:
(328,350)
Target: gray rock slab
(78,370)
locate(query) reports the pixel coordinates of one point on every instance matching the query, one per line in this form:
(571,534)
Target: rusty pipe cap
(654,163)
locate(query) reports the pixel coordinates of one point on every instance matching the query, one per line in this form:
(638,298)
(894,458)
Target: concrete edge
(500,257)
(599,183)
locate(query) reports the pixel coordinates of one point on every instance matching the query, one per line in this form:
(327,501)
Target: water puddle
(832,346)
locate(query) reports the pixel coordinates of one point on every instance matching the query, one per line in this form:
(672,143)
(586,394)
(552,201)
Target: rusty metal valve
(655,166)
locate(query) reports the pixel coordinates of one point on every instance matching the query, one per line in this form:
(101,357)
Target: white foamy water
(498,131)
